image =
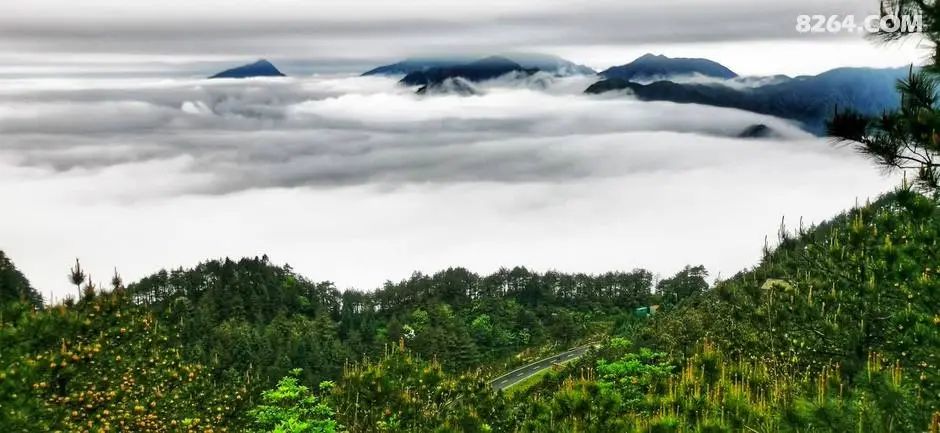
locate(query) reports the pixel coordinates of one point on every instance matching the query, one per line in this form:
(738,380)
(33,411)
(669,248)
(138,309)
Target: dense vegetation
(151,356)
(15,289)
(836,330)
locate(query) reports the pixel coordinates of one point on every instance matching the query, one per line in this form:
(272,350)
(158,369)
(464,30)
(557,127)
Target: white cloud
(358,180)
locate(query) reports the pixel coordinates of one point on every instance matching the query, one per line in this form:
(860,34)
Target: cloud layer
(349,131)
(220,26)
(101,36)
(359,180)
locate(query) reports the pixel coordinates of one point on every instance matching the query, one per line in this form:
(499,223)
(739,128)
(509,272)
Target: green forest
(836,329)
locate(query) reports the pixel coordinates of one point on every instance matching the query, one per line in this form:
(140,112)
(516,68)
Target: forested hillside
(147,356)
(837,329)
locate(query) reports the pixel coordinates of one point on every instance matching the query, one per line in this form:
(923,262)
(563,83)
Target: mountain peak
(658,67)
(479,70)
(263,62)
(651,56)
(544,62)
(260,68)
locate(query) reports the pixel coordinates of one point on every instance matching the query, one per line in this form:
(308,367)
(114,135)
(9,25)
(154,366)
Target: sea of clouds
(358,180)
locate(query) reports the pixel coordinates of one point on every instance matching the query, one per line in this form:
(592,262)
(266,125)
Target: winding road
(522,373)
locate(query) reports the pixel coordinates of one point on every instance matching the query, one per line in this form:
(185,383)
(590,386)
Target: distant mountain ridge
(261,68)
(543,62)
(480,70)
(807,99)
(408,66)
(651,66)
(550,64)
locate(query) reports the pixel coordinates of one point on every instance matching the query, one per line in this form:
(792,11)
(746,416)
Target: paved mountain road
(522,373)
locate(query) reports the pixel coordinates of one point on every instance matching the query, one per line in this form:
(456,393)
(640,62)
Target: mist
(358,180)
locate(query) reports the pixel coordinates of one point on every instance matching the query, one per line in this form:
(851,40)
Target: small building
(646,311)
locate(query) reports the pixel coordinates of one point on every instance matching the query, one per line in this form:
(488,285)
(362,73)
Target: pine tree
(90,290)
(14,286)
(907,138)
(117,283)
(77,277)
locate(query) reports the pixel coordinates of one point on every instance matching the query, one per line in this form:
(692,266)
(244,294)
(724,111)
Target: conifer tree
(908,138)
(77,277)
(14,286)
(90,291)
(117,283)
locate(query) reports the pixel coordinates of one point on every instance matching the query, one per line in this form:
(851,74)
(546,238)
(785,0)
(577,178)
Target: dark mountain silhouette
(451,86)
(807,99)
(408,66)
(548,63)
(261,68)
(543,62)
(650,66)
(480,70)
(758,131)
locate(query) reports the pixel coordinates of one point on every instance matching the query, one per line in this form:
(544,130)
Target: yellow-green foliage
(827,299)
(401,393)
(115,368)
(837,330)
(711,393)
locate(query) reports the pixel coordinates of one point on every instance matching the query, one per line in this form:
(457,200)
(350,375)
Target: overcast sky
(113,148)
(102,36)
